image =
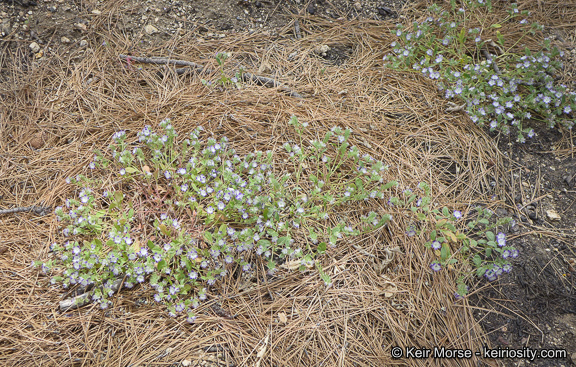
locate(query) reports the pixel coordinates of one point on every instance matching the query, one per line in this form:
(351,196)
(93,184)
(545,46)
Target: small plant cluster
(225,81)
(252,216)
(474,239)
(499,92)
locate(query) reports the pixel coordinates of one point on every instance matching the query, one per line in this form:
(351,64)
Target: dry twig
(38,210)
(258,79)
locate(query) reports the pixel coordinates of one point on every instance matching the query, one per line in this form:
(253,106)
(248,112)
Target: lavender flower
(501,239)
(435,266)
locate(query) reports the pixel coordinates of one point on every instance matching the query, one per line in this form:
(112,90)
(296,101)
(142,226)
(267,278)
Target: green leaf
(264,243)
(477,260)
(445,252)
(480,271)
(490,236)
(500,38)
(131,170)
(271,265)
(389,185)
(462,289)
(445,212)
(161,265)
(333,239)
(208,237)
(496,26)
(322,246)
(313,235)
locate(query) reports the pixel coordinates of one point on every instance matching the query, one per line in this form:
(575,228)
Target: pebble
(311,9)
(5,27)
(65,40)
(358,5)
(34,47)
(96,12)
(81,26)
(150,29)
(552,215)
(83,43)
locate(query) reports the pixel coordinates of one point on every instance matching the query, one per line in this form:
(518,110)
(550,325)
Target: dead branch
(165,61)
(38,210)
(85,298)
(297,29)
(260,80)
(454,107)
(270,83)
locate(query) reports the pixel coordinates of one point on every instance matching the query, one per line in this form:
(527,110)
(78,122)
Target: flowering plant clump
(499,91)
(473,238)
(141,225)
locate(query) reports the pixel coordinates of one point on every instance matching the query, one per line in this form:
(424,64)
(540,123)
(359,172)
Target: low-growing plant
(498,90)
(469,240)
(224,80)
(180,215)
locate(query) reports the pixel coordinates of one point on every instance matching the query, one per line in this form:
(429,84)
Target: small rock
(322,49)
(5,27)
(150,29)
(265,68)
(358,5)
(311,9)
(501,212)
(37,142)
(96,12)
(34,47)
(65,40)
(52,9)
(552,215)
(384,11)
(83,43)
(186,363)
(81,26)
